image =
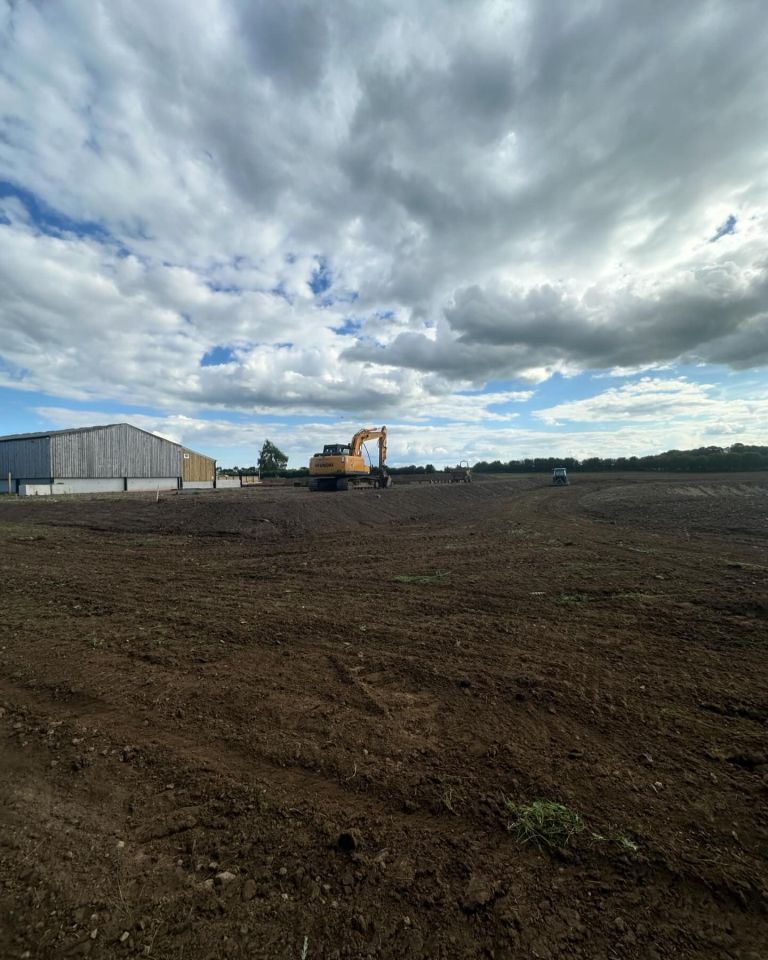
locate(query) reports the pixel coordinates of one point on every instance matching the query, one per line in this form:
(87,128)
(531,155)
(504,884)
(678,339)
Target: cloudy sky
(502,228)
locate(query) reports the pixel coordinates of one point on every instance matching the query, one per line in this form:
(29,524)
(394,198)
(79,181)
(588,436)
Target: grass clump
(544,823)
(448,801)
(11,528)
(623,842)
(435,577)
(573,598)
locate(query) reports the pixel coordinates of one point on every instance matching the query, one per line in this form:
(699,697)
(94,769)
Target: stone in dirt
(348,841)
(225,877)
(478,892)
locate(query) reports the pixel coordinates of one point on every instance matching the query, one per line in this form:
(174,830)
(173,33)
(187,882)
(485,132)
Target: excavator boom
(362,435)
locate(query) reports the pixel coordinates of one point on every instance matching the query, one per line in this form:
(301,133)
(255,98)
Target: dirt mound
(273,511)
(719,506)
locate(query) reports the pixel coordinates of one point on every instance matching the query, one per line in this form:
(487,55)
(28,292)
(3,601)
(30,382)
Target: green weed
(604,597)
(573,598)
(426,578)
(623,842)
(447,800)
(544,823)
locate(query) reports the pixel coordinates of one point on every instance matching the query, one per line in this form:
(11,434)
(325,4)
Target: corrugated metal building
(106,458)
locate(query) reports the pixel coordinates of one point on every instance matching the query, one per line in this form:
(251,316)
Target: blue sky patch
(348,328)
(333,299)
(216,287)
(49,220)
(217,356)
(279,291)
(321,278)
(728,226)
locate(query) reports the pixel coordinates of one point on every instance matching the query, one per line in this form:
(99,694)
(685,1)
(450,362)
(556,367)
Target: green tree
(271,458)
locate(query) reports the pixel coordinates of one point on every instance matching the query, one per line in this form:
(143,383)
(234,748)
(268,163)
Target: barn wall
(113,451)
(196,467)
(25,458)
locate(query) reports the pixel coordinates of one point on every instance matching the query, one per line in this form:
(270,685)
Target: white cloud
(714,308)
(501,191)
(700,409)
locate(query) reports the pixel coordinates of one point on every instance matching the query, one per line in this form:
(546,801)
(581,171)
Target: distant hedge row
(736,458)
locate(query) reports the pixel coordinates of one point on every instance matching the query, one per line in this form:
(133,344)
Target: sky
(503,229)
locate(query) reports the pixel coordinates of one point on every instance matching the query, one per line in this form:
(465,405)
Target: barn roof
(58,433)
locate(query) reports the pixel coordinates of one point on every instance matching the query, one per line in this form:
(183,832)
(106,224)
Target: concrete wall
(152,483)
(197,485)
(39,488)
(223,484)
(82,485)
(35,489)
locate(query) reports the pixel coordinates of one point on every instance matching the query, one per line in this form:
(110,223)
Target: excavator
(341,465)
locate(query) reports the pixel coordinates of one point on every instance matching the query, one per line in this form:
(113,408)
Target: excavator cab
(336,450)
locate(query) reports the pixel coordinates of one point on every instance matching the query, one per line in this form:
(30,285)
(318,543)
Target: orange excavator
(341,465)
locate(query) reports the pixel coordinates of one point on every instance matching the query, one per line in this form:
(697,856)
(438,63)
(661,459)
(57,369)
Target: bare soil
(274,724)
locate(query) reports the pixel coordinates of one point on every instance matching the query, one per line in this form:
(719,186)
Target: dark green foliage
(272,460)
(736,458)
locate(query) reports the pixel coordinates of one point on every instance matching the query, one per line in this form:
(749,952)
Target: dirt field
(274,724)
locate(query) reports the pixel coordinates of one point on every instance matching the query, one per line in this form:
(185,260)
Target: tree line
(737,458)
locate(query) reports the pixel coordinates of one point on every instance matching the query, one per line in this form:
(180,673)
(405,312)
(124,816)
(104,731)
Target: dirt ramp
(278,511)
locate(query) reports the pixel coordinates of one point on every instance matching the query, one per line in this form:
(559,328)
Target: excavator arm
(371,434)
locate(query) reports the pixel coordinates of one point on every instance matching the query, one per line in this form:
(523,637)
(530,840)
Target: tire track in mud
(300,791)
(497,867)
(179,755)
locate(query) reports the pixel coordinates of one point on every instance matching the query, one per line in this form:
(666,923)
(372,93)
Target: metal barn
(106,458)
